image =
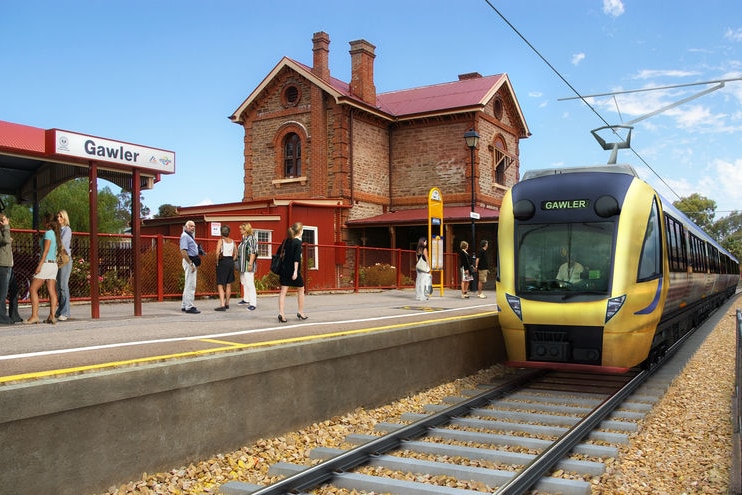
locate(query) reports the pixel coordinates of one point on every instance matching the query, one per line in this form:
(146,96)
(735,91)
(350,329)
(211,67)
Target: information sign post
(435,235)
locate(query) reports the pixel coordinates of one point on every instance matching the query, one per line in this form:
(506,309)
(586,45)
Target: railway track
(547,431)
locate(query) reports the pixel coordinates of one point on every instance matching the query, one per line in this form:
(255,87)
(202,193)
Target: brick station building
(355,167)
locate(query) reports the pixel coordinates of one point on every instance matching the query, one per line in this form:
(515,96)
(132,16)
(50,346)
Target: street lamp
(472,138)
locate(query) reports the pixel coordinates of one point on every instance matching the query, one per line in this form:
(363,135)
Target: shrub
(378,275)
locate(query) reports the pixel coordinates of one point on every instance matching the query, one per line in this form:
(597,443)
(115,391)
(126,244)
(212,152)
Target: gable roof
(464,95)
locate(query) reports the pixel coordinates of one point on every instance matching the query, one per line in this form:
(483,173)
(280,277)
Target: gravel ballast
(682,447)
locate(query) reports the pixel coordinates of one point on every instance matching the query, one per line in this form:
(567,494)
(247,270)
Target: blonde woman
(63,274)
(46,271)
(247,253)
(291,272)
(465,269)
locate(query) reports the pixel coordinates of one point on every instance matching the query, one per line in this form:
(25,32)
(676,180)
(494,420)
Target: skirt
(48,271)
(225,271)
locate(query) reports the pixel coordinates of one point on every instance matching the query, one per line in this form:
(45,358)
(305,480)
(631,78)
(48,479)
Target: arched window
(501,161)
(292,155)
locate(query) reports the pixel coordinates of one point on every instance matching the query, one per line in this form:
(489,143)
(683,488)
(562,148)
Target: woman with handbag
(46,271)
(424,279)
(63,275)
(465,269)
(290,275)
(226,254)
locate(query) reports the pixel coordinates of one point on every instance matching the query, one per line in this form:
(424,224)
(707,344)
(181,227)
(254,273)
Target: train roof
(611,169)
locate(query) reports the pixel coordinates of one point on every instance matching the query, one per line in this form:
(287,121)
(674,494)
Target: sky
(167,74)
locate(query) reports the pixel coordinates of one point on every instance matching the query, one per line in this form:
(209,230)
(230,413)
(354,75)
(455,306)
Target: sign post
(435,234)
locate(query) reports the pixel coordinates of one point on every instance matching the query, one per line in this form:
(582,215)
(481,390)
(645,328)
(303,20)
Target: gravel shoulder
(682,447)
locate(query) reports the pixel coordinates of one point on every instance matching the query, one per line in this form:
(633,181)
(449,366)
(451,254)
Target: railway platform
(164,332)
(89,403)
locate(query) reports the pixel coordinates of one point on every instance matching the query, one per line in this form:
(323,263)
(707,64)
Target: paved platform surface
(163,331)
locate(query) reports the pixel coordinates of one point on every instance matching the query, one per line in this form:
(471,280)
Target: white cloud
(733,34)
(613,7)
(727,176)
(577,58)
(204,202)
(651,73)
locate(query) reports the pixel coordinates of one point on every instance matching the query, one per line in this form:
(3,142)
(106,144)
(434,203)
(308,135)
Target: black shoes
(192,310)
(301,316)
(221,308)
(282,319)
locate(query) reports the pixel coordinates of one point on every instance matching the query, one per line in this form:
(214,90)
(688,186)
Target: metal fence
(325,267)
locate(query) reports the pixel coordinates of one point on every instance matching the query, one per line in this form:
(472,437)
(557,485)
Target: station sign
(105,150)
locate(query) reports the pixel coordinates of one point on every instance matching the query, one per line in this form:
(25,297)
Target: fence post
(399,268)
(356,270)
(160,268)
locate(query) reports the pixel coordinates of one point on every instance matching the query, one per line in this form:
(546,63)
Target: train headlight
(614,304)
(514,303)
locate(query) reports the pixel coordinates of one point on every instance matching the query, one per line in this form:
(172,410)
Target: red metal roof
(21,138)
(420,216)
(445,96)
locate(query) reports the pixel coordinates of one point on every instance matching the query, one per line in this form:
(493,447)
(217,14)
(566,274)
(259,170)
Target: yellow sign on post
(435,234)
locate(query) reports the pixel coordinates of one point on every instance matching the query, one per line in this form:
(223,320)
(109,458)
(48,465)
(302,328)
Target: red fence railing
(325,267)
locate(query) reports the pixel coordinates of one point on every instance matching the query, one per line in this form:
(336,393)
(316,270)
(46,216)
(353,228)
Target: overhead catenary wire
(583,98)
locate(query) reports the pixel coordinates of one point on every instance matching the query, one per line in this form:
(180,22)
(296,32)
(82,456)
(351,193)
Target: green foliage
(114,211)
(166,210)
(699,209)
(80,278)
(20,216)
(267,282)
(728,231)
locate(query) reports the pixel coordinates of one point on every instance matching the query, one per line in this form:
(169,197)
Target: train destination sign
(105,150)
(565,204)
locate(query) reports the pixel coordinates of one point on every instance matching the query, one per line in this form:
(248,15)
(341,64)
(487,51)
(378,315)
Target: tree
(124,207)
(20,216)
(700,209)
(728,231)
(114,211)
(166,210)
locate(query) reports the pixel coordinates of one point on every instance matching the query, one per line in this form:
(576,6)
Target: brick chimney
(362,71)
(470,75)
(321,49)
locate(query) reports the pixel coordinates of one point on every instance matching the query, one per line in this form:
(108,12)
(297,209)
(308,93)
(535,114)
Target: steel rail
(548,458)
(323,472)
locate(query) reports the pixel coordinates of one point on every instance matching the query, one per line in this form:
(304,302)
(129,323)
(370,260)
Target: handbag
(277,260)
(62,258)
(422,265)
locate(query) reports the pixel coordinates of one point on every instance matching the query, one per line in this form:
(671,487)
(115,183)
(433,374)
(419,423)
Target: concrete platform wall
(83,434)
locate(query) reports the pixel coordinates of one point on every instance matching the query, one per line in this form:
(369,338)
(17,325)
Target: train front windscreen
(560,258)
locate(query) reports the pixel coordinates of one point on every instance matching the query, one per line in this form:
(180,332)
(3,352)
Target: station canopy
(34,161)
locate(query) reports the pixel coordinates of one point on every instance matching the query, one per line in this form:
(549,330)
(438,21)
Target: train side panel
(628,336)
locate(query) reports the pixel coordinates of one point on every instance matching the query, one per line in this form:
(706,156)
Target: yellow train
(596,271)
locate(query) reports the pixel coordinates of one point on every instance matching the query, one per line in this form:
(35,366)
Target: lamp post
(472,138)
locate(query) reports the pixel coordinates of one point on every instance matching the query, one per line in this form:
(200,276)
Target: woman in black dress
(291,272)
(226,253)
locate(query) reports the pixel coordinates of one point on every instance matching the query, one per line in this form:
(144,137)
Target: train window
(676,245)
(650,261)
(565,257)
(698,254)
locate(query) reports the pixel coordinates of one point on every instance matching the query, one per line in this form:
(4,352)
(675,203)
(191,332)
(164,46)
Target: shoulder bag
(277,259)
